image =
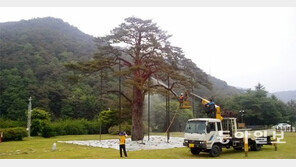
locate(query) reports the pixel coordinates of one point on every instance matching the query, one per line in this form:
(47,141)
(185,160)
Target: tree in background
(145,52)
(292,111)
(107,118)
(40,121)
(14,94)
(259,108)
(179,117)
(32,55)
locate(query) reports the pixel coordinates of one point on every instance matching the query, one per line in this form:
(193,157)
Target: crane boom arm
(205,101)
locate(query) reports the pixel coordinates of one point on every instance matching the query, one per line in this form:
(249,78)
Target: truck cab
(202,134)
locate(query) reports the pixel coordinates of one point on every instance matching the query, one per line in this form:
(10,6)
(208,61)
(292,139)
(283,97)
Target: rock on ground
(155,142)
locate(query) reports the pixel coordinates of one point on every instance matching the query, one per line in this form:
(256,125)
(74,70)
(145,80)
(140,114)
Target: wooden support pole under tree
(192,104)
(101,101)
(119,94)
(275,144)
(171,122)
(166,116)
(101,91)
(100,130)
(166,113)
(148,107)
(168,110)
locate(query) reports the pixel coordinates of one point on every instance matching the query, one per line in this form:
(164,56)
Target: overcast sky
(242,46)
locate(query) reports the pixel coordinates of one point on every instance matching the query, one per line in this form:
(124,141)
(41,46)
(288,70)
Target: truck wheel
(256,147)
(195,151)
(215,151)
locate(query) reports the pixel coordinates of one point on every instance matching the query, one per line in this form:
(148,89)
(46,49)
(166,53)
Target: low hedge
(6,123)
(47,131)
(14,134)
(75,127)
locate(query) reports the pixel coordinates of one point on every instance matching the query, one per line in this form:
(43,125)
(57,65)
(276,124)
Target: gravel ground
(155,142)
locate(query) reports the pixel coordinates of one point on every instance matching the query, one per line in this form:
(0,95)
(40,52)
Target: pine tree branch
(117,91)
(166,88)
(125,61)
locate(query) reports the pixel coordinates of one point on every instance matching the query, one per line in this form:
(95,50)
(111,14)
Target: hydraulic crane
(186,105)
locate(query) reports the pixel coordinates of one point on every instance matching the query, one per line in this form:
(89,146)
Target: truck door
(211,132)
(219,126)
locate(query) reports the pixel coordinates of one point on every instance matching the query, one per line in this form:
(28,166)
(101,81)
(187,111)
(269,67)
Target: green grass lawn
(40,148)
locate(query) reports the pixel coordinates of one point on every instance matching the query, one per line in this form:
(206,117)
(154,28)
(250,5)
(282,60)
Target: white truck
(210,135)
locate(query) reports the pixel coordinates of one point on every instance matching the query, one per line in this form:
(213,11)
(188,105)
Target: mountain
(219,89)
(33,53)
(286,96)
(51,36)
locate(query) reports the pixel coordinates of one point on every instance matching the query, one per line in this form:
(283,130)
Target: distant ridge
(220,88)
(286,96)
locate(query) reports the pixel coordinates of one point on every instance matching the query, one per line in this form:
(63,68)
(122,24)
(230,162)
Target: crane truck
(212,134)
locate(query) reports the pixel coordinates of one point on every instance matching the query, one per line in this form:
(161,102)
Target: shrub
(108,119)
(40,119)
(75,128)
(37,127)
(114,130)
(47,131)
(38,113)
(6,123)
(58,128)
(14,134)
(93,127)
(69,127)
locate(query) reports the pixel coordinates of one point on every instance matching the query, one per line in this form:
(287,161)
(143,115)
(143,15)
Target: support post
(192,104)
(275,144)
(101,92)
(101,102)
(119,94)
(100,130)
(246,146)
(168,111)
(148,114)
(29,117)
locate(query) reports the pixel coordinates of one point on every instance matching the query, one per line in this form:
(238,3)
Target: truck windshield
(195,127)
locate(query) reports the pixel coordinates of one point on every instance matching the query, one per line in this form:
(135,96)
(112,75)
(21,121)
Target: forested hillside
(219,89)
(33,54)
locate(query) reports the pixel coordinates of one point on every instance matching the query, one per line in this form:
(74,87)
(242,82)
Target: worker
(181,98)
(122,136)
(211,109)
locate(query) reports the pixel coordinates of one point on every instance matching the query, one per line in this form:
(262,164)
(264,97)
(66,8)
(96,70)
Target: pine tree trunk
(137,114)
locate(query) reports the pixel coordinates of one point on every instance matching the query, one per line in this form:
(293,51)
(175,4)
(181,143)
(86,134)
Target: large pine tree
(143,51)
